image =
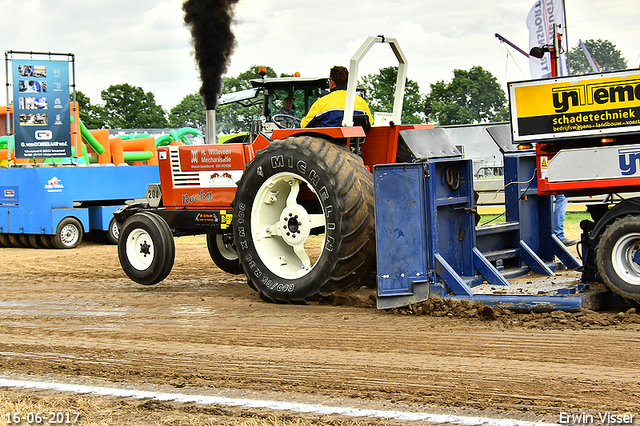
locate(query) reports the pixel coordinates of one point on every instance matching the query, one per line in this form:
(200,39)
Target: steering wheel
(286,121)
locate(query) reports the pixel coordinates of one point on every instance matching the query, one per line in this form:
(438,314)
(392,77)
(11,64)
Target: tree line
(471,96)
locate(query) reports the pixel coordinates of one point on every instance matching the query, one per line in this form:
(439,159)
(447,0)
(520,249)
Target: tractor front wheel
(146,249)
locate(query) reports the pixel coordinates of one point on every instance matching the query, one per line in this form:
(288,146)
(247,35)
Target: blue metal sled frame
(428,244)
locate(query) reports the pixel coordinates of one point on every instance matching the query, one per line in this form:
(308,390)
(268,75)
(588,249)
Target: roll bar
(353,78)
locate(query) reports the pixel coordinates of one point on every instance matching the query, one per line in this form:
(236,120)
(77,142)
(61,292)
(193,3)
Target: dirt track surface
(73,316)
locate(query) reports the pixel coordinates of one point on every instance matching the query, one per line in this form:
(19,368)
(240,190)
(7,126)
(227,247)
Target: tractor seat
(361,120)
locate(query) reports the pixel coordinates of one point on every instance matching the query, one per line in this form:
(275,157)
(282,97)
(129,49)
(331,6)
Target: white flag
(540,20)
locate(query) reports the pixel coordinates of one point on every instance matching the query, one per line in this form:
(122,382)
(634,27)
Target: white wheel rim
(281,226)
(69,235)
(622,258)
(226,250)
(140,250)
(115,230)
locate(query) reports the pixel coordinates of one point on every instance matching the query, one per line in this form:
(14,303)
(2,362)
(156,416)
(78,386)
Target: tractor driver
(287,116)
(328,111)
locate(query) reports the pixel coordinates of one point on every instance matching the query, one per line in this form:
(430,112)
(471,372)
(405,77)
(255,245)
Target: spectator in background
(559,211)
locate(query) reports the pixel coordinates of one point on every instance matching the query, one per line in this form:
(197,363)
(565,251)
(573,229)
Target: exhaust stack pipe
(211,127)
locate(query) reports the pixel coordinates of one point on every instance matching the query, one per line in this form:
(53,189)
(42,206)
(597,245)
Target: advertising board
(569,107)
(42,118)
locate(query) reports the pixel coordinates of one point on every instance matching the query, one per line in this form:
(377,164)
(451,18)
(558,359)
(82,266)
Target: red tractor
(260,198)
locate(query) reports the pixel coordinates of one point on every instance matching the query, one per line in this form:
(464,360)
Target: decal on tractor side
(211,157)
(219,179)
(195,198)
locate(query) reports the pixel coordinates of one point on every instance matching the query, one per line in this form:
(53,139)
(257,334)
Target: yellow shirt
(328,111)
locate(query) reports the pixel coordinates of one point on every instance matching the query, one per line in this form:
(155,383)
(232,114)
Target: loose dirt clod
(437,307)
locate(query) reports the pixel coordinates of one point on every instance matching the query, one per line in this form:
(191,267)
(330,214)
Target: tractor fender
(123,213)
(336,135)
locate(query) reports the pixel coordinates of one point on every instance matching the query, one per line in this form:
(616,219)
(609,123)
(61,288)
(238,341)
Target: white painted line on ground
(269,404)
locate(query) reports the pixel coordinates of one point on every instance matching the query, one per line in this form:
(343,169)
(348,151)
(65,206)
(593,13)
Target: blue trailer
(53,205)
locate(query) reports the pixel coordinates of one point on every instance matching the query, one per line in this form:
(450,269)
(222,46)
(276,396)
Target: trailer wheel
(68,233)
(113,232)
(618,258)
(146,249)
(223,253)
(291,190)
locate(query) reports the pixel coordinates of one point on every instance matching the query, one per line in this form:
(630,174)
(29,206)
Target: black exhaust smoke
(213,42)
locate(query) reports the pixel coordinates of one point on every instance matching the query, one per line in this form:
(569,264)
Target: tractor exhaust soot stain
(213,42)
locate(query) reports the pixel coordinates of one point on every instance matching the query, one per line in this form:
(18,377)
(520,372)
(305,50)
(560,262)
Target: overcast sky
(145,43)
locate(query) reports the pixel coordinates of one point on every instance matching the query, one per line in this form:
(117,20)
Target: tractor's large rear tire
(366,179)
(146,249)
(291,190)
(618,258)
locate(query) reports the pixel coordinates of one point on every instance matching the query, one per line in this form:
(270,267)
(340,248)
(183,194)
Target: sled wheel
(292,189)
(15,241)
(34,241)
(68,233)
(618,258)
(92,236)
(46,240)
(24,239)
(112,233)
(223,253)
(146,249)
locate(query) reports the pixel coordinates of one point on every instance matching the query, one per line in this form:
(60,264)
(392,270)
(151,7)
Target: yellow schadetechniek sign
(569,107)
